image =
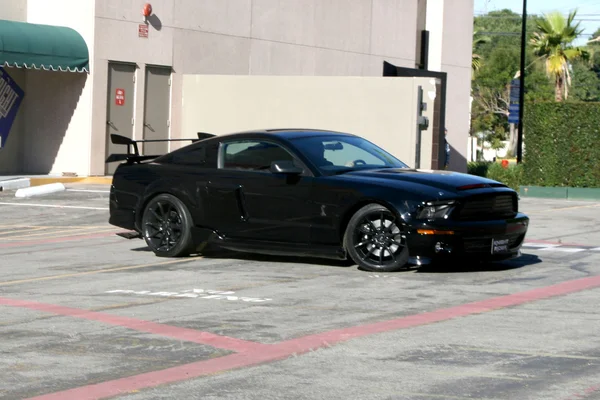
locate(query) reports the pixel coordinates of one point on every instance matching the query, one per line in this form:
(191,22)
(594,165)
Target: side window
(196,157)
(254,155)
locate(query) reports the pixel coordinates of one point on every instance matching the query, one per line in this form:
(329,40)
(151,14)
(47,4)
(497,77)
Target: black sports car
(314,193)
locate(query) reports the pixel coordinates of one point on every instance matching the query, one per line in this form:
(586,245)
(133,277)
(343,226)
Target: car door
(248,201)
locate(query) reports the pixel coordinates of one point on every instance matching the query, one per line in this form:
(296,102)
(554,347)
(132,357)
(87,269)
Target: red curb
(187,334)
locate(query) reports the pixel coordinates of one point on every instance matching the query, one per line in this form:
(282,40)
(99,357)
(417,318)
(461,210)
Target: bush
(511,176)
(478,168)
(561,144)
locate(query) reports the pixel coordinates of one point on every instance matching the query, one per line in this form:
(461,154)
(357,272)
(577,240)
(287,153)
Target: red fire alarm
(147,11)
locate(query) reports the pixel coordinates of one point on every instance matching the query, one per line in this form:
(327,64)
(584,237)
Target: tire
(166,217)
(373,248)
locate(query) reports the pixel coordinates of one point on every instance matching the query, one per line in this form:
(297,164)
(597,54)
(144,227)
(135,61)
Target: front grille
(477,245)
(487,208)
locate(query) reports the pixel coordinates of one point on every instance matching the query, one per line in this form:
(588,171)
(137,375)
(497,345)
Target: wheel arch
(347,216)
(152,193)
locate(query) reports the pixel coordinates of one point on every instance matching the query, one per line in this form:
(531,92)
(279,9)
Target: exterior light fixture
(147,11)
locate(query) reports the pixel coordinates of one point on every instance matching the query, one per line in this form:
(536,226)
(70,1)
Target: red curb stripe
(57,240)
(170,375)
(312,342)
(187,334)
(585,393)
(340,335)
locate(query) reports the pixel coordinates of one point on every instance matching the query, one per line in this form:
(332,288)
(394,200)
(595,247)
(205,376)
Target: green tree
(476,59)
(595,39)
(585,82)
(491,82)
(552,42)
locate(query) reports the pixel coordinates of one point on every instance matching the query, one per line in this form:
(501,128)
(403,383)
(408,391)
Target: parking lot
(87,314)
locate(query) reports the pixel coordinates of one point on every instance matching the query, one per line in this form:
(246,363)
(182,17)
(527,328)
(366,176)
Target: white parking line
(53,206)
(195,293)
(559,247)
(564,249)
(542,245)
(88,191)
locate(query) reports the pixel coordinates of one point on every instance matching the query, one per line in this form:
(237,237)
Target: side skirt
(201,235)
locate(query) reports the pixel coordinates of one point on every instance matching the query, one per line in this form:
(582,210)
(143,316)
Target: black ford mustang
(310,193)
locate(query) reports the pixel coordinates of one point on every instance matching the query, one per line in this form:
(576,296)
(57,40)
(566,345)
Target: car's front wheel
(375,239)
(166,224)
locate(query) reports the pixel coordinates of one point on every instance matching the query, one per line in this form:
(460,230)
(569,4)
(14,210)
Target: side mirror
(285,167)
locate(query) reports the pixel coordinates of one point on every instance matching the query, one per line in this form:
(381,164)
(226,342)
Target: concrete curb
(564,193)
(16,183)
(93,180)
(40,190)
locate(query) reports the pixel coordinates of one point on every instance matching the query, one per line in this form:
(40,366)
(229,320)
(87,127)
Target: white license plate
(499,246)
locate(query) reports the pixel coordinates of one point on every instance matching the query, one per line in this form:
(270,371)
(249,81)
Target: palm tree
(552,42)
(476,59)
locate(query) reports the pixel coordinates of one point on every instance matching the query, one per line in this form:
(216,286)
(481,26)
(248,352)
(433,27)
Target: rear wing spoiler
(133,152)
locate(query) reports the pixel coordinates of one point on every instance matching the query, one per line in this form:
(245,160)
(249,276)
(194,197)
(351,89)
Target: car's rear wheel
(375,239)
(166,224)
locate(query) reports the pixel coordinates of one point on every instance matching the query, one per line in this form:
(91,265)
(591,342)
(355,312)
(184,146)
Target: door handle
(112,125)
(147,125)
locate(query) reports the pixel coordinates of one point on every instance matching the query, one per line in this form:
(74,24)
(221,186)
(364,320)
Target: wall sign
(120,97)
(143,31)
(11,96)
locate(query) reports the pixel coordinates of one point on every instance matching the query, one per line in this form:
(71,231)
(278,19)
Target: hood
(443,180)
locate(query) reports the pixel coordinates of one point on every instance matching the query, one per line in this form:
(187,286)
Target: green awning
(47,47)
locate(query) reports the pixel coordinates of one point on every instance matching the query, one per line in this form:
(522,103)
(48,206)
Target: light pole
(522,84)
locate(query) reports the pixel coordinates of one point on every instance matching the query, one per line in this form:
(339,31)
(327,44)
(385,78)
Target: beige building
(129,77)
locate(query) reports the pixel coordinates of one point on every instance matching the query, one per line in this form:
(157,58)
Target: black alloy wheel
(376,240)
(166,224)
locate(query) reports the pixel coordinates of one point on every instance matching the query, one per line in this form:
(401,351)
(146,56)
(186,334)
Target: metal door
(157,103)
(119,118)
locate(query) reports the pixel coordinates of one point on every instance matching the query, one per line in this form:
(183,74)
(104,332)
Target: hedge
(561,144)
(511,176)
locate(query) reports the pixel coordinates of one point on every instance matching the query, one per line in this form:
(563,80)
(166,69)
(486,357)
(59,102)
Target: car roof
(290,133)
(284,133)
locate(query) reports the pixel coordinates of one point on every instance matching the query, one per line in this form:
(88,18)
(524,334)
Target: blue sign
(11,96)
(515,86)
(513,116)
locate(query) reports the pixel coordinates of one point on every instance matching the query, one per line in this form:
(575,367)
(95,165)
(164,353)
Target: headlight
(432,210)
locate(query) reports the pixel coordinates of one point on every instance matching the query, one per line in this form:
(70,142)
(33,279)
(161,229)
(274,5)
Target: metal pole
(522,84)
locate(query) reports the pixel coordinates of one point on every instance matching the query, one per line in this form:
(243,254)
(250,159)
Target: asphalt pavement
(87,314)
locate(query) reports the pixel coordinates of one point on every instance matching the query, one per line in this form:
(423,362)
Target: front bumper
(495,240)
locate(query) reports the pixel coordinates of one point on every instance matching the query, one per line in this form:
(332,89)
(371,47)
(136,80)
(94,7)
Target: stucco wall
(382,110)
(451,26)
(236,37)
(13,10)
(58,105)
(244,37)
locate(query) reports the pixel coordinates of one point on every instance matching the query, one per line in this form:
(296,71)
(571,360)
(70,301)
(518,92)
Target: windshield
(337,154)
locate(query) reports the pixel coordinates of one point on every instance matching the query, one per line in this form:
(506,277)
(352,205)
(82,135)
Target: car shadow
(223,254)
(234,255)
(439,267)
(455,267)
